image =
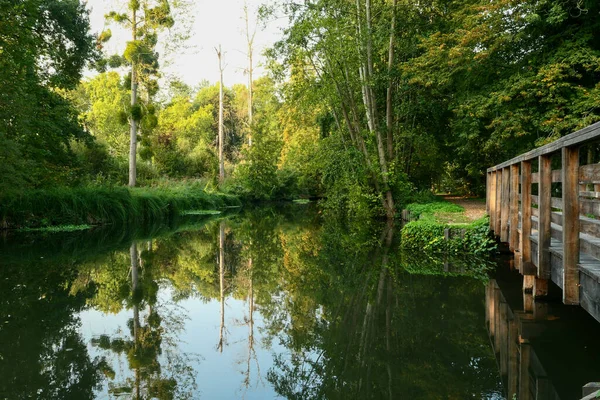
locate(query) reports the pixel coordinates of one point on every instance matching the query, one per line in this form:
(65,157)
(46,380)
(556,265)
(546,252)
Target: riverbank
(450,225)
(89,206)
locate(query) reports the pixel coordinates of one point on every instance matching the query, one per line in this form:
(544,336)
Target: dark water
(258,305)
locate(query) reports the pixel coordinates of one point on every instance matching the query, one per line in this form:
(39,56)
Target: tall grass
(98,205)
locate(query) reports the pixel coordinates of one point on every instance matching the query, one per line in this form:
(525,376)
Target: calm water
(258,305)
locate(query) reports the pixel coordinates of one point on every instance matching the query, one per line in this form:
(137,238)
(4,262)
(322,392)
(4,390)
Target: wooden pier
(546,205)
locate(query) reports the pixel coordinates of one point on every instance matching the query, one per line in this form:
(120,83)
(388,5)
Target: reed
(100,205)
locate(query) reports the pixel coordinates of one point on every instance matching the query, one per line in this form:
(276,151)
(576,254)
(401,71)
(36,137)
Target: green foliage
(417,210)
(427,235)
(82,206)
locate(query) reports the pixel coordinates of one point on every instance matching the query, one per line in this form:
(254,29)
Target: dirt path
(474,208)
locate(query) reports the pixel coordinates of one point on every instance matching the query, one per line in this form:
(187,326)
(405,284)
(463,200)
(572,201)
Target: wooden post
(570,181)
(525,245)
(497,216)
(545,217)
(493,189)
(514,207)
(504,212)
(488,183)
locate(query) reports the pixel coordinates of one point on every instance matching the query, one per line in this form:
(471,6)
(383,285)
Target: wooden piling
(505,205)
(570,181)
(544,216)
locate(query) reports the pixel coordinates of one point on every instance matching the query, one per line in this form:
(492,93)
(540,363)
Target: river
(275,303)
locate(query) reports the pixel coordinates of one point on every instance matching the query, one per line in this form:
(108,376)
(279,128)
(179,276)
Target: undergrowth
(433,219)
(97,205)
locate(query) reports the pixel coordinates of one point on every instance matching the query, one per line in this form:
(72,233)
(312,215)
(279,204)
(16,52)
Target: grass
(427,232)
(59,228)
(201,212)
(301,201)
(439,211)
(97,205)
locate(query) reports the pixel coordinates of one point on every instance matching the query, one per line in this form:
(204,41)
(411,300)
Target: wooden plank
(589,207)
(487,192)
(589,195)
(525,215)
(570,163)
(544,219)
(586,134)
(492,201)
(589,173)
(505,205)
(556,202)
(557,175)
(497,224)
(514,207)
(589,226)
(535,177)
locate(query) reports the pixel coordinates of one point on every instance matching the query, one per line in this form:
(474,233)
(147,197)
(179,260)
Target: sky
(211,23)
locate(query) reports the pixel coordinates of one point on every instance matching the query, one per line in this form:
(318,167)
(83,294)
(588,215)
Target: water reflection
(268,303)
(544,350)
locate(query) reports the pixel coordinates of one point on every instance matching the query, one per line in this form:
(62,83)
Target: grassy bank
(433,219)
(97,206)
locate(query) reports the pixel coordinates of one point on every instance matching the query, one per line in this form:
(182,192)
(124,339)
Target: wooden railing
(555,234)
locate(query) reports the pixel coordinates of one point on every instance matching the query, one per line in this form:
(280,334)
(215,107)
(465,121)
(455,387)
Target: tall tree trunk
(132,121)
(366,74)
(221,130)
(390,94)
(250,43)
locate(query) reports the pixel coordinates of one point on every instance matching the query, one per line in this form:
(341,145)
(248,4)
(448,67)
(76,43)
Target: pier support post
(492,200)
(514,208)
(570,184)
(525,244)
(545,216)
(540,288)
(497,214)
(505,205)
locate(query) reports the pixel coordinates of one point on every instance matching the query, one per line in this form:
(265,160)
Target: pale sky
(213,22)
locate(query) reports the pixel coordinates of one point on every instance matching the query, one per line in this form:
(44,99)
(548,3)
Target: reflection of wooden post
(570,178)
(513,358)
(525,245)
(504,214)
(498,216)
(524,391)
(542,389)
(544,225)
(514,207)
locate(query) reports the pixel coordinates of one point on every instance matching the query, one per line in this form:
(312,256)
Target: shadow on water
(264,303)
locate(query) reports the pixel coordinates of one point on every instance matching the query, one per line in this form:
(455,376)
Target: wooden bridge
(546,205)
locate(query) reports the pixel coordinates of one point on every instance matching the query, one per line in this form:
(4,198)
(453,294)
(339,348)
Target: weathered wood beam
(586,134)
(514,207)
(544,225)
(525,244)
(497,216)
(492,196)
(505,205)
(570,168)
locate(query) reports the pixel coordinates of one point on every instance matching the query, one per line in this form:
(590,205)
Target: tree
(44,46)
(221,127)
(145,19)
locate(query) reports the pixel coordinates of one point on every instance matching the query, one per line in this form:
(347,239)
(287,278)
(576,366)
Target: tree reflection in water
(304,308)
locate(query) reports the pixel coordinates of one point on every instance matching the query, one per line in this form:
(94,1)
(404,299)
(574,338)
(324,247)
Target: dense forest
(365,102)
